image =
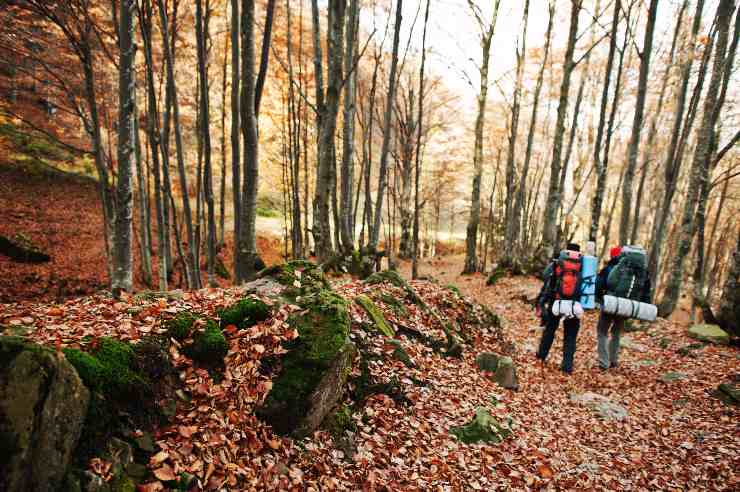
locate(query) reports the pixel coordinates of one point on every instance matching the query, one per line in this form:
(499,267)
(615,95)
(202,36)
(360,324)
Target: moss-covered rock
(245,313)
(43,404)
(208,347)
(339,421)
(398,307)
(483,428)
(181,326)
(375,314)
(300,277)
(400,354)
(387,277)
(487,361)
(709,333)
(315,368)
(505,374)
(729,392)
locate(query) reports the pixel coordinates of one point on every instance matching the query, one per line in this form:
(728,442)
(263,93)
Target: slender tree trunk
(265,55)
(672,163)
(471,260)
(205,126)
(247,246)
(122,259)
(516,219)
(417,166)
(191,267)
(634,143)
(387,131)
(600,168)
(295,149)
(143,204)
(512,229)
(235,126)
(701,161)
(153,140)
(348,133)
(222,190)
(554,192)
(328,108)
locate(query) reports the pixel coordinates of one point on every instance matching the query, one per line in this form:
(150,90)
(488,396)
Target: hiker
(608,349)
(562,283)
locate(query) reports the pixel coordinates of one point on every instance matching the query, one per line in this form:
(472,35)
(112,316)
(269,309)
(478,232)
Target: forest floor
(676,436)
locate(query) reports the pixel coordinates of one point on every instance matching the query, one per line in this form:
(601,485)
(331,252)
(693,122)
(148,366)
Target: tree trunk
(471,260)
(634,143)
(247,245)
(701,161)
(729,307)
(417,170)
(122,261)
(154,141)
(191,267)
(554,198)
(516,219)
(387,131)
(672,163)
(222,191)
(348,134)
(235,126)
(143,204)
(512,229)
(201,31)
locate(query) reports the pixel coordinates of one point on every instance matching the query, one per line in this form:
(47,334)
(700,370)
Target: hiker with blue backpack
(624,290)
(559,298)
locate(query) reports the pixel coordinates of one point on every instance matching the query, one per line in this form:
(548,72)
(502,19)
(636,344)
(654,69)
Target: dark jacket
(601,279)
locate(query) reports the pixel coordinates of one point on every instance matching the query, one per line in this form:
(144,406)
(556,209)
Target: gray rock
(629,344)
(487,361)
(506,374)
(603,406)
(709,333)
(43,405)
(327,393)
(673,376)
(265,286)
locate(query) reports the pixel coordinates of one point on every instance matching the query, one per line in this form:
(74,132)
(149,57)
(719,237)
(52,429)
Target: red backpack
(568,275)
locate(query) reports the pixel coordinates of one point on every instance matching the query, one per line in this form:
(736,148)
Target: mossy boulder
(375,314)
(505,374)
(43,404)
(181,326)
(300,277)
(400,354)
(245,313)
(387,277)
(487,361)
(315,368)
(483,428)
(729,392)
(209,347)
(709,333)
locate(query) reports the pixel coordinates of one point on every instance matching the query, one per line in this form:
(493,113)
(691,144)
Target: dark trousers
(571,327)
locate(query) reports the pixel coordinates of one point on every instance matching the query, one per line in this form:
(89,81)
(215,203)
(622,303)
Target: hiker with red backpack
(559,298)
(624,289)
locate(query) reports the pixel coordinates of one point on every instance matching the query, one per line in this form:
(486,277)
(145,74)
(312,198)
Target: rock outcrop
(43,404)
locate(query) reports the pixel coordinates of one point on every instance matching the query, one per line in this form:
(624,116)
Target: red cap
(615,251)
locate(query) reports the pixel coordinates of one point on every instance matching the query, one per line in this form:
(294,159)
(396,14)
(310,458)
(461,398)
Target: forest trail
(677,435)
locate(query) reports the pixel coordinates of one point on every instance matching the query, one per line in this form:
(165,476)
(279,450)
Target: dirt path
(677,435)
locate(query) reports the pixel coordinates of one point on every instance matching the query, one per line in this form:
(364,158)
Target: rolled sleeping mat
(588,281)
(628,308)
(567,309)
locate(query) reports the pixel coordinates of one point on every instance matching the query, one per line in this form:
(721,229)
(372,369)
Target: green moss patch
(495,276)
(323,329)
(387,277)
(339,421)
(375,314)
(245,313)
(208,347)
(483,428)
(181,325)
(398,307)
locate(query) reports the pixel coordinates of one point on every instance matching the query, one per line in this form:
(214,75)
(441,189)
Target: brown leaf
(166,473)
